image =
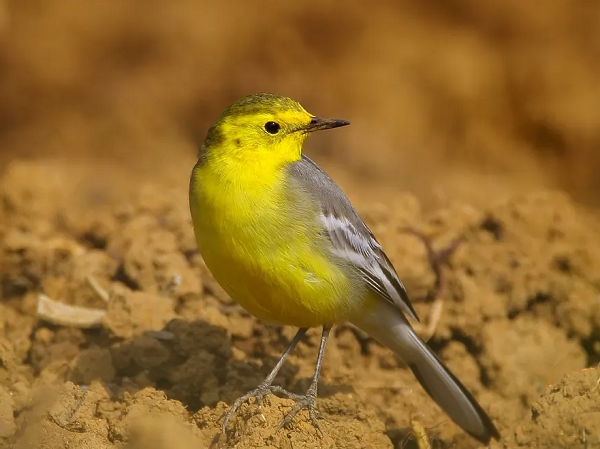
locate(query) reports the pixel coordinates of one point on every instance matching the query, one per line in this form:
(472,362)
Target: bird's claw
(306,401)
(258,394)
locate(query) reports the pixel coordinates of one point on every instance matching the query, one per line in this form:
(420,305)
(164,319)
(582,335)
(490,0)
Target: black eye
(272,127)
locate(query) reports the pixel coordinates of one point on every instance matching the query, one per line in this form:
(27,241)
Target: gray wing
(350,237)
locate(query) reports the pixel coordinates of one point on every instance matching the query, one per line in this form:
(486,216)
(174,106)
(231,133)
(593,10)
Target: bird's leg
(308,400)
(265,388)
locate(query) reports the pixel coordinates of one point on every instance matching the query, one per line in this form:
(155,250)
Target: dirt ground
(481,123)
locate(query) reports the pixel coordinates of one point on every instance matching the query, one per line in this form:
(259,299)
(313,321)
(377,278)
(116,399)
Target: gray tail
(390,327)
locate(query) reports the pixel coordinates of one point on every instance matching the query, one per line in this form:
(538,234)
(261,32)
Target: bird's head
(263,126)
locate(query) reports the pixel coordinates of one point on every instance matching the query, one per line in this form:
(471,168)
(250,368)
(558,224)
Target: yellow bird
(284,241)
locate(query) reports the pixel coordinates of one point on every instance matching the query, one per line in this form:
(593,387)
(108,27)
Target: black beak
(317,124)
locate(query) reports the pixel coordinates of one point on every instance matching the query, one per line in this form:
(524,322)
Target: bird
(285,242)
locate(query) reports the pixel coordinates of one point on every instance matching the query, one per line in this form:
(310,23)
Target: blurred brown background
(104,104)
(454,99)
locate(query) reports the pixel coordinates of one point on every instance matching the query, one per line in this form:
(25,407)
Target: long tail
(389,326)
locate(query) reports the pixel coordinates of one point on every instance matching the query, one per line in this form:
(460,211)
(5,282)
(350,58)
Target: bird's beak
(317,124)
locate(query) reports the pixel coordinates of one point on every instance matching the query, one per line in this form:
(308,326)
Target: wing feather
(350,237)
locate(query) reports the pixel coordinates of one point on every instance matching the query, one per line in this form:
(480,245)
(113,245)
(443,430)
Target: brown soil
(101,108)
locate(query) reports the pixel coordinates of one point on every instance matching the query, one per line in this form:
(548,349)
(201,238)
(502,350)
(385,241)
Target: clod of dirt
(151,257)
(92,364)
(161,430)
(173,215)
(64,418)
(131,313)
(50,347)
(524,355)
(147,403)
(16,327)
(149,352)
(27,205)
(346,423)
(56,265)
(567,416)
(12,372)
(7,420)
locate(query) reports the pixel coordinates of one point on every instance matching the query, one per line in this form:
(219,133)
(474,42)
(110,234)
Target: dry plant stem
(596,387)
(56,312)
(420,434)
(102,294)
(437,260)
(171,288)
(62,314)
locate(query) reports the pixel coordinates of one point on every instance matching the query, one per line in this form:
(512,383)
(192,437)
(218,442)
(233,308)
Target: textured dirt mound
(567,415)
(521,310)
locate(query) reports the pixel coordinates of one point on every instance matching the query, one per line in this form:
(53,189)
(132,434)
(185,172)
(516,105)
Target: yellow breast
(266,252)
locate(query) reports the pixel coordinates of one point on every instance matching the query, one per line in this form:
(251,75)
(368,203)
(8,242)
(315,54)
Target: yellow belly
(273,263)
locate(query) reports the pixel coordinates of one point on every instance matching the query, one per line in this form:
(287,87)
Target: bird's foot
(306,401)
(302,401)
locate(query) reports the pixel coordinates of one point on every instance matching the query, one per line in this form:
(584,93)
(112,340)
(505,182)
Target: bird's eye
(272,127)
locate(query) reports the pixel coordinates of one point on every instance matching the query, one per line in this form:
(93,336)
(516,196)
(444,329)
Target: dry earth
(486,112)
